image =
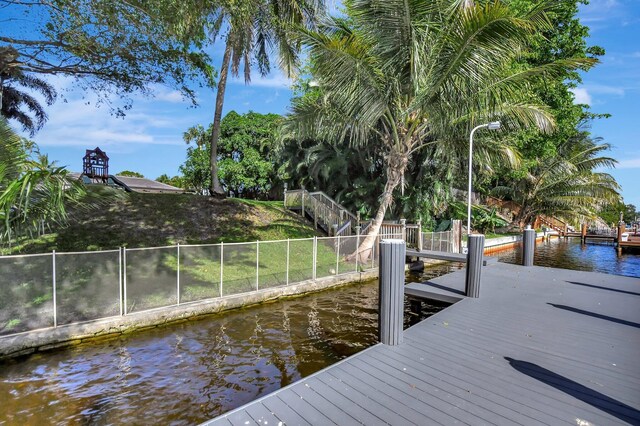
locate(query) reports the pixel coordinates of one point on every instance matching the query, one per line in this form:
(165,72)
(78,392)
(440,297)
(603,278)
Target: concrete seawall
(497,245)
(68,335)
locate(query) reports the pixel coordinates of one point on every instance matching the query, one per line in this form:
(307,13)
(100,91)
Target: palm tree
(33,191)
(14,101)
(565,185)
(410,74)
(253,27)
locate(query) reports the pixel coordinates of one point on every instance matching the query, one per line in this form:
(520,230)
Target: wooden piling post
(583,233)
(419,235)
(528,246)
(403,222)
(475,254)
(621,229)
(391,279)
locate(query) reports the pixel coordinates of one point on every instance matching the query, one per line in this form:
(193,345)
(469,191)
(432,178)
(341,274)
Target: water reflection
(570,254)
(190,372)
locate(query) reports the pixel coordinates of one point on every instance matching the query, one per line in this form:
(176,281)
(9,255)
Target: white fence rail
(54,289)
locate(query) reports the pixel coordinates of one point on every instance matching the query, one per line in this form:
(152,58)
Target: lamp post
(494,125)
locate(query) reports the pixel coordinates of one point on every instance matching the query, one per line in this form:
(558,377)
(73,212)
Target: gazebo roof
(97,152)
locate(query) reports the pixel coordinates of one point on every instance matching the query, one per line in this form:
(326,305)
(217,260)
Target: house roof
(144,185)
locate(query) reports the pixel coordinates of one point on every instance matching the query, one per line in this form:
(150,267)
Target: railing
(602,231)
(325,212)
(337,221)
(553,223)
(439,241)
(54,289)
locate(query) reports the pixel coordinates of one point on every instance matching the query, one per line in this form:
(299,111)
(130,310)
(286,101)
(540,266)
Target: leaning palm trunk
(396,166)
(216,189)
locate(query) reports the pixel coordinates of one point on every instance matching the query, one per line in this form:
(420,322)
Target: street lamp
(494,125)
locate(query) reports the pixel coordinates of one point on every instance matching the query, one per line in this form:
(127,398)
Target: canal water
(190,372)
(571,254)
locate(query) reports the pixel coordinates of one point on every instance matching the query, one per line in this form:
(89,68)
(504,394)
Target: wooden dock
(539,346)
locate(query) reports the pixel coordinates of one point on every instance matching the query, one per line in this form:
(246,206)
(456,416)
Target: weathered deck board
(540,346)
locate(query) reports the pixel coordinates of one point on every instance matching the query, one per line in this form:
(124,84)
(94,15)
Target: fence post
(178,274)
(315,214)
(55,305)
(358,228)
(124,278)
(528,246)
(287,270)
(337,253)
(457,235)
(257,265)
(315,257)
(420,242)
(334,231)
(221,264)
(475,254)
(120,277)
(391,272)
(303,194)
(403,222)
(432,235)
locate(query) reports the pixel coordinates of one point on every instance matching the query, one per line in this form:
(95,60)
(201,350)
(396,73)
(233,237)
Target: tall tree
(567,185)
(252,28)
(15,102)
(409,74)
(248,164)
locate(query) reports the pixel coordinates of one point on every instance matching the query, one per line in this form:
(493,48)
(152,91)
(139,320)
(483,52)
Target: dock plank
(539,346)
(285,413)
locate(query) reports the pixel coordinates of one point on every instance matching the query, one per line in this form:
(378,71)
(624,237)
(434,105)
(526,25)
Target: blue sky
(149,138)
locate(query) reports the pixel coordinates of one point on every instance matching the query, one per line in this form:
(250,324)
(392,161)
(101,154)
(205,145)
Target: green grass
(490,235)
(88,283)
(151,220)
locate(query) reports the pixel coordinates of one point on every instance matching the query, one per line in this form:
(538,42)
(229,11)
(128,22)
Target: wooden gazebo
(95,165)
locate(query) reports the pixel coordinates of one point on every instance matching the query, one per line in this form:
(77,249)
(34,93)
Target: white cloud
(631,163)
(605,90)
(581,96)
(172,96)
(276,80)
(78,120)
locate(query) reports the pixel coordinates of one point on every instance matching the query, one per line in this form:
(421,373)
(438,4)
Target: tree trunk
(396,166)
(216,189)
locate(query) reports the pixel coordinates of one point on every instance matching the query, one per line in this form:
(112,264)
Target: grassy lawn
(88,283)
(152,220)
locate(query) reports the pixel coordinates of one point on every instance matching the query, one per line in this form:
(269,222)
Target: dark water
(570,254)
(193,371)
